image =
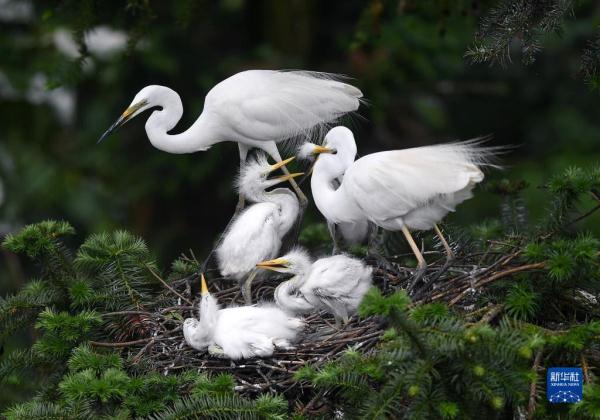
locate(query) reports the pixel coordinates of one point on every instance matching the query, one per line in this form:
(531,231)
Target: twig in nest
(167,286)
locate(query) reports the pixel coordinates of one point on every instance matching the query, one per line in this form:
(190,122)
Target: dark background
(408,57)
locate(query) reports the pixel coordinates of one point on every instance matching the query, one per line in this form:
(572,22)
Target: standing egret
(398,189)
(255,108)
(336,284)
(239,332)
(256,234)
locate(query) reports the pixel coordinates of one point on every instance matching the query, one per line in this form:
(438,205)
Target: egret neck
(286,294)
(201,135)
(334,204)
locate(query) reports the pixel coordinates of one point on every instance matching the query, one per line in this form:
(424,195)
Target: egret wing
(252,237)
(390,184)
(277,105)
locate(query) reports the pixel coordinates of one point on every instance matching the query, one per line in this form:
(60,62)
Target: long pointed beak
(122,120)
(280,164)
(286,177)
(322,149)
(125,116)
(275,265)
(203,287)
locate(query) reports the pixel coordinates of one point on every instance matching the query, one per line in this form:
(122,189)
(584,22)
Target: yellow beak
(282,163)
(204,289)
(322,149)
(273,264)
(288,176)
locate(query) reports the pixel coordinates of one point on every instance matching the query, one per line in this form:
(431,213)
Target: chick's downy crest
(252,180)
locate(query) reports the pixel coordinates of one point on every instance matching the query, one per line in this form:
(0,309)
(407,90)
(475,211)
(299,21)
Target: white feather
(241,332)
(415,187)
(336,284)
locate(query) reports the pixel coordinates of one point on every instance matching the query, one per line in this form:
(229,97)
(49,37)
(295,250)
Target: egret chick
(256,234)
(255,108)
(239,332)
(336,284)
(397,190)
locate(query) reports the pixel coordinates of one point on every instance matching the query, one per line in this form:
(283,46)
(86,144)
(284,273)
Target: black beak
(125,116)
(122,120)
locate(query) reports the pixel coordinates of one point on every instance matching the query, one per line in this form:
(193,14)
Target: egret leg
(449,252)
(373,250)
(272,150)
(422,265)
(241,199)
(332,233)
(247,287)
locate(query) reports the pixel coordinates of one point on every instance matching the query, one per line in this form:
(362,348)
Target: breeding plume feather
(256,233)
(240,332)
(336,284)
(398,189)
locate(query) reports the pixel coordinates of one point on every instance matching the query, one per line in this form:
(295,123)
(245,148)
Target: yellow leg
(449,253)
(415,249)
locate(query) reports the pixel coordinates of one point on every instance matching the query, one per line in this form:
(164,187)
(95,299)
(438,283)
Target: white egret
(336,284)
(352,233)
(255,108)
(398,189)
(240,332)
(256,234)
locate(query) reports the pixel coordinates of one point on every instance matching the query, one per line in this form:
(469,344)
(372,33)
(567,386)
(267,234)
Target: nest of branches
(459,282)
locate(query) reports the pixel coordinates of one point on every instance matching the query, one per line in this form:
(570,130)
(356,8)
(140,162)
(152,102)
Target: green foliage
(63,331)
(589,408)
(314,235)
(521,302)
(40,239)
(524,20)
(120,263)
(436,366)
(374,303)
(97,384)
(226,407)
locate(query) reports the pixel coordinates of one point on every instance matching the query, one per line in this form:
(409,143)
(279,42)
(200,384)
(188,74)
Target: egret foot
(283,344)
(418,274)
(216,351)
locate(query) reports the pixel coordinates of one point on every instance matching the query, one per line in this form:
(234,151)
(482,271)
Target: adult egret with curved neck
(336,284)
(352,233)
(255,108)
(397,190)
(256,234)
(239,332)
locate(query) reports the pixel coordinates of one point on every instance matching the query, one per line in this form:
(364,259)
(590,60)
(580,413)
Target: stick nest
(159,343)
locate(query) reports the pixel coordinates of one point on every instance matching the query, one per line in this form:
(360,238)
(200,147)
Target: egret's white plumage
(336,284)
(398,189)
(354,232)
(240,332)
(255,108)
(256,234)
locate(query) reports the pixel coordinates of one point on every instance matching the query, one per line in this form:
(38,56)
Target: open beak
(125,116)
(322,149)
(203,288)
(280,164)
(287,177)
(278,264)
